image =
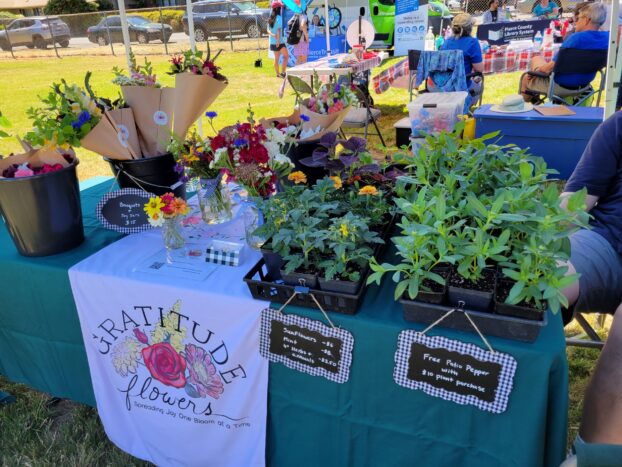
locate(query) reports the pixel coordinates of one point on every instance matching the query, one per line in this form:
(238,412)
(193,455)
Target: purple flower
(338,87)
(211,114)
(179,168)
(304,118)
(202,372)
(240,142)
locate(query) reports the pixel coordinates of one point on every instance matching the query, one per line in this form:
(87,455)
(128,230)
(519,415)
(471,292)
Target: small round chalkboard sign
(123,210)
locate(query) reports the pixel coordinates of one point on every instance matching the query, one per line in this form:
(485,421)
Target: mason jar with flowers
(167,211)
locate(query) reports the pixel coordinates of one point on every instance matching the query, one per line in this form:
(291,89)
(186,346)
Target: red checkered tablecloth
(500,61)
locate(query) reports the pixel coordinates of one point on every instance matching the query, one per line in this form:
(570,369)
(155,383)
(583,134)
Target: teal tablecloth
(368,421)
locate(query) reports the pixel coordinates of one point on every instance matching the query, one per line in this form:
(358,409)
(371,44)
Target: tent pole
(614,63)
(125,32)
(327,28)
(193,45)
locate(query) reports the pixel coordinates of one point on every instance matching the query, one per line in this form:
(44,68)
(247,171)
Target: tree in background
(63,7)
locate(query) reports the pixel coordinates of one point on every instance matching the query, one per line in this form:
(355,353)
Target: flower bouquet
(152,106)
(253,155)
(326,110)
(196,159)
(198,83)
(73,117)
(167,211)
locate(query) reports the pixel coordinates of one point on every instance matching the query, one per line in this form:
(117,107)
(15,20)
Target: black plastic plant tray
(263,288)
(489,324)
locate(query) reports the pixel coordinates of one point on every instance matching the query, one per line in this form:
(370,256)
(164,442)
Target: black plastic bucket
(302,150)
(43,213)
(153,174)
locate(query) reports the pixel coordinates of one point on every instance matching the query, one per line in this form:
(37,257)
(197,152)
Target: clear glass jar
(215,201)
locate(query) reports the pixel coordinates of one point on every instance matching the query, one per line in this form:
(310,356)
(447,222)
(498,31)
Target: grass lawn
(34,431)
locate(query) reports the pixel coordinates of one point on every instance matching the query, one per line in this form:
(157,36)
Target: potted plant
(349,242)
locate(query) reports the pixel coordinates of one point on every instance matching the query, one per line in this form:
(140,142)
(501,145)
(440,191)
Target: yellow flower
(154,206)
(65,146)
(297,177)
(368,190)
(339,149)
(75,108)
(337,181)
(344,230)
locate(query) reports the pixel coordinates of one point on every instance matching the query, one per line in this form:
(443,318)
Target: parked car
(140,29)
(35,31)
(527,6)
(221,19)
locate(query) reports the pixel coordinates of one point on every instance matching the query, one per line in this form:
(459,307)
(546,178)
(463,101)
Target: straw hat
(512,104)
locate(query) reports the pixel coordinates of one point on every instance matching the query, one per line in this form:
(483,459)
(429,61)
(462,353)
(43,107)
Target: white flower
(159,222)
(219,154)
(125,355)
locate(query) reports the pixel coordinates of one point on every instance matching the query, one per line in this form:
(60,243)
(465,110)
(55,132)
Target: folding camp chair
(592,339)
(301,88)
(361,116)
(571,61)
(441,80)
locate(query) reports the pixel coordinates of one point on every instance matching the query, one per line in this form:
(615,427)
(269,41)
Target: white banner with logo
(411,25)
(175,362)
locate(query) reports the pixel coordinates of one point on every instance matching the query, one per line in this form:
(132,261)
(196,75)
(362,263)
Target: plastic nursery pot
(301,150)
(43,213)
(437,291)
(153,174)
(517,311)
(299,278)
(478,296)
(346,287)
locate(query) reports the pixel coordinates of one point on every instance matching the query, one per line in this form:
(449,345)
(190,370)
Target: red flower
(260,154)
(218,142)
(165,364)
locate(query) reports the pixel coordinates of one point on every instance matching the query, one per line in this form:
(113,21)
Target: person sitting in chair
(461,26)
(586,37)
(597,255)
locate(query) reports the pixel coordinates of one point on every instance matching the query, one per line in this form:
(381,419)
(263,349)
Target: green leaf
(515,293)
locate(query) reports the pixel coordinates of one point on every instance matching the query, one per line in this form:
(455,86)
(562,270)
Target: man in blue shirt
(587,37)
(597,255)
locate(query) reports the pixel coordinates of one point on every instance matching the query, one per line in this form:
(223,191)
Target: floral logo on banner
(169,358)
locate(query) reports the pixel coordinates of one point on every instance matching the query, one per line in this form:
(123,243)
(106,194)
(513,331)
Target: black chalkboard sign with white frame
(123,210)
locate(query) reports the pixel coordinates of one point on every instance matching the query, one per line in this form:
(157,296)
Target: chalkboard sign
(306,345)
(123,210)
(455,371)
(505,32)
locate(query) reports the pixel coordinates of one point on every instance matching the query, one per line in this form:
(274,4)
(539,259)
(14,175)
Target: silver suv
(35,31)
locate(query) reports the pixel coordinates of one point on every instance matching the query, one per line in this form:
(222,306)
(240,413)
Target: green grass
(22,81)
(33,432)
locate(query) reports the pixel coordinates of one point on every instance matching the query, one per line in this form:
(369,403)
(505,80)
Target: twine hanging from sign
(280,310)
(460,305)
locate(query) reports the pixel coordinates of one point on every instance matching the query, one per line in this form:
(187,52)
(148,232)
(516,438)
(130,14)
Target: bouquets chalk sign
(198,83)
(306,345)
(455,371)
(123,211)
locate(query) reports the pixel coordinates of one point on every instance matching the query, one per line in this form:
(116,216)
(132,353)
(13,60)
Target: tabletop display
(411,301)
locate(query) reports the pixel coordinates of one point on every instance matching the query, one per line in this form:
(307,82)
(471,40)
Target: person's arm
(599,163)
(487,17)
(546,68)
(477,61)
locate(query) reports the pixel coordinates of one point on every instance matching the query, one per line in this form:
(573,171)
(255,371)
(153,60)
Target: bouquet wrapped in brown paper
(325,111)
(73,116)
(198,83)
(151,104)
(115,136)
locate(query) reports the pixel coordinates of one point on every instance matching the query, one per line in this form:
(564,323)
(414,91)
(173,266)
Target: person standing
(301,50)
(491,15)
(277,44)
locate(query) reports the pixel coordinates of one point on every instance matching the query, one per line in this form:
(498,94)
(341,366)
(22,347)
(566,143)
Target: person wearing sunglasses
(587,36)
